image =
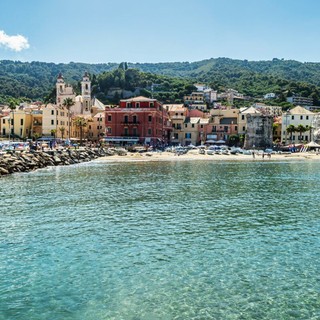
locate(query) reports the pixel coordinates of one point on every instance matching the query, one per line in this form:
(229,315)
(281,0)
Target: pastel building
(138,120)
(296,116)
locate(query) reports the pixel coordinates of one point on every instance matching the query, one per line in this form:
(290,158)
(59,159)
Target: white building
(270,95)
(296,116)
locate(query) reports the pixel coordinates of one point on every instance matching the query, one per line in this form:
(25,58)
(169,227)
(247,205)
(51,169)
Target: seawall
(12,162)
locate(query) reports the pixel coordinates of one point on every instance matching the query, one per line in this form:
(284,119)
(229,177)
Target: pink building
(138,120)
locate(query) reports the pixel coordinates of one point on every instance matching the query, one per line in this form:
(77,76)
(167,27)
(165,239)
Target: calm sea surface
(168,240)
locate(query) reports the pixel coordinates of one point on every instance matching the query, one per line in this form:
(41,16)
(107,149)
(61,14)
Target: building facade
(138,120)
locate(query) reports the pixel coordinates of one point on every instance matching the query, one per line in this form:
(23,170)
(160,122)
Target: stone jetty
(22,161)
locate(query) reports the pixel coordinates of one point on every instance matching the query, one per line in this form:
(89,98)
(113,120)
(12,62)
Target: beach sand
(191,156)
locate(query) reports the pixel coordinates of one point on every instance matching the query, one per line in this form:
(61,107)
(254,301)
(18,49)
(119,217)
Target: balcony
(130,122)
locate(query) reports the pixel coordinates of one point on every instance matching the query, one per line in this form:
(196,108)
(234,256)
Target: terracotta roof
(139,99)
(250,110)
(175,107)
(300,110)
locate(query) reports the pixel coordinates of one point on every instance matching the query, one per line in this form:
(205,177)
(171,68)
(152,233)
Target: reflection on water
(169,240)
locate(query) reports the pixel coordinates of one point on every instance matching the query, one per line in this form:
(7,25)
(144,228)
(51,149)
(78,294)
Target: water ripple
(176,240)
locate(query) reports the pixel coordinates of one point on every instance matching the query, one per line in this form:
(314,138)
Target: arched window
(126,119)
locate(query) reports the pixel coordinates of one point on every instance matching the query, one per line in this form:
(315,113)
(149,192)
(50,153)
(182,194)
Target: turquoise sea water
(168,240)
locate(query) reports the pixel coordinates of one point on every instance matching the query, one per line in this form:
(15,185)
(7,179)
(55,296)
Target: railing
(130,122)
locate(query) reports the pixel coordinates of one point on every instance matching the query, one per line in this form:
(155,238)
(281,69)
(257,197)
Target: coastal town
(206,118)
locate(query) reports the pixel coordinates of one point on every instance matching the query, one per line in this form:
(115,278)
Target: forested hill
(287,69)
(36,80)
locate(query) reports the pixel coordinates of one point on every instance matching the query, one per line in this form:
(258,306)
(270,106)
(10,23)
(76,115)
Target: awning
(121,139)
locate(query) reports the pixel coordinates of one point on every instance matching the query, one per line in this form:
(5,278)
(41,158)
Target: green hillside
(36,80)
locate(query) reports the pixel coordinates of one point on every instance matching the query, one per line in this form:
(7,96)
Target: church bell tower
(86,92)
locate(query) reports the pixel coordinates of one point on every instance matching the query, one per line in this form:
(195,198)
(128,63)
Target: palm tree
(62,130)
(301,128)
(53,132)
(68,103)
(80,122)
(291,129)
(309,128)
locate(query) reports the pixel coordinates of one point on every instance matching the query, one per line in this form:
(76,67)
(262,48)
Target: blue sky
(101,31)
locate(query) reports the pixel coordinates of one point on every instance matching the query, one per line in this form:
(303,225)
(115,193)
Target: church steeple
(63,90)
(86,91)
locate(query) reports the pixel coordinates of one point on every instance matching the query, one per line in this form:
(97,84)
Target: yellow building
(177,114)
(17,124)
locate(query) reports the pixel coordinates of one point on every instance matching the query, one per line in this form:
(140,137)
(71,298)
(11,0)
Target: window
(134,132)
(192,125)
(52,112)
(243,128)
(236,128)
(3,121)
(242,117)
(89,127)
(126,131)
(138,105)
(134,119)
(186,125)
(52,122)
(292,117)
(151,104)
(109,117)
(188,135)
(225,128)
(128,104)
(301,117)
(201,126)
(109,130)
(307,117)
(21,122)
(20,132)
(149,118)
(149,132)
(126,119)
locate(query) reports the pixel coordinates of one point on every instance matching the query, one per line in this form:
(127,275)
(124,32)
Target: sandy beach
(190,156)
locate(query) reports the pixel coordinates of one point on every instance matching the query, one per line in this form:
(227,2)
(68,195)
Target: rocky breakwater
(12,162)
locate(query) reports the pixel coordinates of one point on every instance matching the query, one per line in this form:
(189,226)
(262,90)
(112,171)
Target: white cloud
(16,43)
